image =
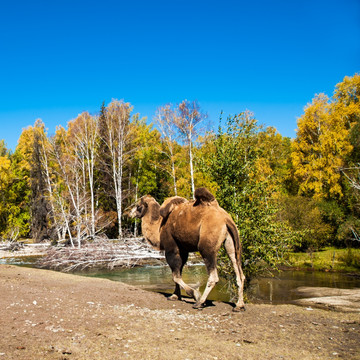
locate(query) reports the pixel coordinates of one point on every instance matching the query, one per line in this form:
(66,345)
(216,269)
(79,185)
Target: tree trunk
(191,169)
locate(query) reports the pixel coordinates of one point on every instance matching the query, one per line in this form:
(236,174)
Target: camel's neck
(150,227)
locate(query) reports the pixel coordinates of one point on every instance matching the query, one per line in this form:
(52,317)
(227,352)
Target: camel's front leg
(176,295)
(176,263)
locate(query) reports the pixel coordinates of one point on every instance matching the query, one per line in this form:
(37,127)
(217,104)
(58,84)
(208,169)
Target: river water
(280,288)
(277,289)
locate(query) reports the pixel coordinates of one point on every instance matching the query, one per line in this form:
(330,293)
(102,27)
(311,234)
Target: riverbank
(23,250)
(52,315)
(136,251)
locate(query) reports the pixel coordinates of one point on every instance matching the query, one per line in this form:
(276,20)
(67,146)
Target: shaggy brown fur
(186,226)
(203,196)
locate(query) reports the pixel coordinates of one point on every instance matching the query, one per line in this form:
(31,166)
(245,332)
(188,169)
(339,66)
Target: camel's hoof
(198,306)
(173,297)
(239,309)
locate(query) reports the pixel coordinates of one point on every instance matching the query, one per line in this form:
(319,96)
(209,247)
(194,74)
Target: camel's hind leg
(240,277)
(176,261)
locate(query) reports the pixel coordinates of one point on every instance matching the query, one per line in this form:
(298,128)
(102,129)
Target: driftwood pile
(107,254)
(11,246)
(16,249)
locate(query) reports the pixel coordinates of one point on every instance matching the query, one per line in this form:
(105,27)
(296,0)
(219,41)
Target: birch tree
(50,183)
(117,135)
(190,116)
(84,133)
(166,120)
(70,175)
(52,158)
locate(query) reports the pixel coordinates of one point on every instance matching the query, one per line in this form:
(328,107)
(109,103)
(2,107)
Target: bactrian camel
(180,226)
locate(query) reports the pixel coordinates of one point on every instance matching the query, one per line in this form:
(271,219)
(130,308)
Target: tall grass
(329,259)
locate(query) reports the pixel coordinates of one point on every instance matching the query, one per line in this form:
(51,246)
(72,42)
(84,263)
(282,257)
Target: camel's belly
(187,240)
(187,246)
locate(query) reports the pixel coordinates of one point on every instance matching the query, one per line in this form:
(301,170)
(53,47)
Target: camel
(180,226)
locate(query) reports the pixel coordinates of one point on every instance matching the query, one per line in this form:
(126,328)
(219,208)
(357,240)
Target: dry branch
(124,253)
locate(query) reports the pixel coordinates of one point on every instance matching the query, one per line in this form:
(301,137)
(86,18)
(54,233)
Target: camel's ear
(170,204)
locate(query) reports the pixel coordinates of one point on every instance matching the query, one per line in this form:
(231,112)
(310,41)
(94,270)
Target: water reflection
(159,279)
(29,261)
(282,287)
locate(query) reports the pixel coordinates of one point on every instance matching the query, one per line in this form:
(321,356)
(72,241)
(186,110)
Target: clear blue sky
(59,58)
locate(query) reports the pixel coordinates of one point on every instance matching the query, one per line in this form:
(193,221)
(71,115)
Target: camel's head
(145,204)
(139,210)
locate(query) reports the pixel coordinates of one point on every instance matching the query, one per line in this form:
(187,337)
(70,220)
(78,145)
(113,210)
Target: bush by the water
(351,258)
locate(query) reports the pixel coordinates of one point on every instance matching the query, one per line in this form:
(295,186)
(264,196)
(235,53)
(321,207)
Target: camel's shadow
(189,300)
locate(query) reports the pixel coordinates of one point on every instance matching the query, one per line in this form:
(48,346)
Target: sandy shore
(51,315)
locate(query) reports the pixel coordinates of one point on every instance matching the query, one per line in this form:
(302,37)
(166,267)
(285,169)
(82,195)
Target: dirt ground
(51,315)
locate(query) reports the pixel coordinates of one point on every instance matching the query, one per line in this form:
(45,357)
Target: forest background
(284,194)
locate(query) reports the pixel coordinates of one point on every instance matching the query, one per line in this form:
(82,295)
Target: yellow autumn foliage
(321,145)
(5,164)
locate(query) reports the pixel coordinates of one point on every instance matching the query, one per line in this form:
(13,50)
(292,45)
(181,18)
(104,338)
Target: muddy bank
(330,298)
(51,315)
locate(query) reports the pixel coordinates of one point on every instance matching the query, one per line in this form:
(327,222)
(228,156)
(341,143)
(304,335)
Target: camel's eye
(140,209)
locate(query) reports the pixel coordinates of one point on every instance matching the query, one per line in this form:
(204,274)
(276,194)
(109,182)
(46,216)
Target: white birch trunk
(49,189)
(116,138)
(191,167)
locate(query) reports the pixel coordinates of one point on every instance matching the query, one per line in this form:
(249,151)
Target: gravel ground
(51,315)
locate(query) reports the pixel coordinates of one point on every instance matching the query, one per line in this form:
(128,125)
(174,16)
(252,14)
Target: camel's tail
(232,229)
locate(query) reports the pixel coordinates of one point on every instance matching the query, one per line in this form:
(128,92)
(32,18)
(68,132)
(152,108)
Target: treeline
(284,194)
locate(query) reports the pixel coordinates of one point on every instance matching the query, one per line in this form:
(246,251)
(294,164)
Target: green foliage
(249,198)
(39,205)
(304,217)
(351,258)
(282,193)
(328,259)
(348,232)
